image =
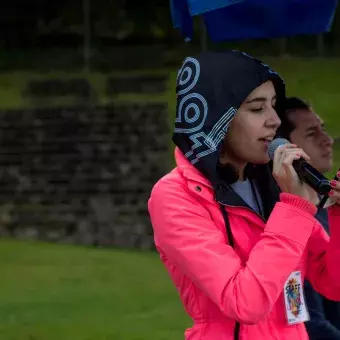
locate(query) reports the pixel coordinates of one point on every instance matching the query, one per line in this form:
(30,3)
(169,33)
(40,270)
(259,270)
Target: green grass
(54,292)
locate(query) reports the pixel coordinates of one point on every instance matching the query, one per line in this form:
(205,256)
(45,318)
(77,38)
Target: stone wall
(82,175)
(84,90)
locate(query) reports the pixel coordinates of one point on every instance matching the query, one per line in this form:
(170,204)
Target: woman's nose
(273,119)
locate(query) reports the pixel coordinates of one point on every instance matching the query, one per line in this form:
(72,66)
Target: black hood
(210,89)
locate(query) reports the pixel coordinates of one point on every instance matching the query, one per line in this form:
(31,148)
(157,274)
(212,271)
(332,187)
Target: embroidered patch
(296,308)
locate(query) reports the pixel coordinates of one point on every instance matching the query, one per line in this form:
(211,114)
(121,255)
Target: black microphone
(305,171)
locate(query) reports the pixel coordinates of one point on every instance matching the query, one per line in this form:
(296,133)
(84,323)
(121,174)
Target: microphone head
(276,143)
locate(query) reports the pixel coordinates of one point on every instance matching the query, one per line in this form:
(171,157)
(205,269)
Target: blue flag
(228,20)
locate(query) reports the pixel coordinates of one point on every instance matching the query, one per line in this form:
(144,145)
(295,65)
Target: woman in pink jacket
(237,243)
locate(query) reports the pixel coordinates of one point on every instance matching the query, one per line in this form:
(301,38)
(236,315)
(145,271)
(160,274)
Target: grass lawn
(57,292)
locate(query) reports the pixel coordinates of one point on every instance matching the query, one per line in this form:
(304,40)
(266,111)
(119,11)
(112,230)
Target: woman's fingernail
(331,193)
(333,183)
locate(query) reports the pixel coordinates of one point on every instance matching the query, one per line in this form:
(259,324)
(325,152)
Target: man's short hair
(292,104)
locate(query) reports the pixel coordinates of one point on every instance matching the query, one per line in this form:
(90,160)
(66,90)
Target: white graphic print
(187,76)
(207,144)
(192,113)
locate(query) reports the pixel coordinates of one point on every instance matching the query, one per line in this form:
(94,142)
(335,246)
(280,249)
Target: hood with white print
(210,89)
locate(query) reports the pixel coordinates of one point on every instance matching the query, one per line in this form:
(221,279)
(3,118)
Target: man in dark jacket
(303,127)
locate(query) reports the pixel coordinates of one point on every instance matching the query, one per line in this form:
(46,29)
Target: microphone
(305,171)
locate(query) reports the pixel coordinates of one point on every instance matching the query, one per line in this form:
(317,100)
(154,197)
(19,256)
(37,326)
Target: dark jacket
(324,314)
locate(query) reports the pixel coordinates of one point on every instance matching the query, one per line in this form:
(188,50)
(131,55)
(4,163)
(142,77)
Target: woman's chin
(261,160)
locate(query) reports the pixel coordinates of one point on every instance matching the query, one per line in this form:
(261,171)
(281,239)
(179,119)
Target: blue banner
(228,20)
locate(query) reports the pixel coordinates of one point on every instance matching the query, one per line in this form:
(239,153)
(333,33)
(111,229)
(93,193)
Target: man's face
(310,135)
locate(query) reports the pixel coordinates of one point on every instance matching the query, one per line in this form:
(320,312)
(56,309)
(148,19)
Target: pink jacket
(218,284)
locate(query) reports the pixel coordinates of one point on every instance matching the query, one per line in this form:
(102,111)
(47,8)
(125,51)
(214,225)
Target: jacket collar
(223,192)
(188,170)
(267,185)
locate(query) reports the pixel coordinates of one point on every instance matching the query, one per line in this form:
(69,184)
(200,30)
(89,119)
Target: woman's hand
(286,176)
(335,192)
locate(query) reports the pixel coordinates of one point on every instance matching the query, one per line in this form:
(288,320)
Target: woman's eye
(257,109)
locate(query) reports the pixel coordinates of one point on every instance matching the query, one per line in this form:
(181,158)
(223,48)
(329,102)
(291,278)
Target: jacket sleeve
(187,236)
(319,328)
(324,257)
